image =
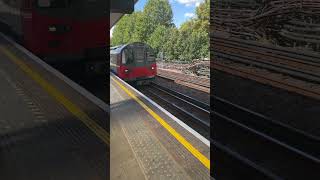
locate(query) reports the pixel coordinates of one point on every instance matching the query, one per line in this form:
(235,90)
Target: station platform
(50,128)
(147,142)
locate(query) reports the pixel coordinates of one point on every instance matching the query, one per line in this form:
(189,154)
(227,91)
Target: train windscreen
(140,55)
(137,54)
(150,55)
(127,56)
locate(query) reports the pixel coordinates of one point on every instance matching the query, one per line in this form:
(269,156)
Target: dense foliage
(154,26)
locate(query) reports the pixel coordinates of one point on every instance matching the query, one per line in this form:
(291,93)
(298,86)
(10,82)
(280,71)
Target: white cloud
(190,15)
(190,2)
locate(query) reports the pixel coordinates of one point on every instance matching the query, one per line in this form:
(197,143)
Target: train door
(125,62)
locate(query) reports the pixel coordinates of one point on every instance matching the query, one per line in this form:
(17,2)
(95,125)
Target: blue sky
(182,9)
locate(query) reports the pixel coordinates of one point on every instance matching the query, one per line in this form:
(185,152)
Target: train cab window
(127,56)
(113,59)
(52,3)
(124,56)
(150,55)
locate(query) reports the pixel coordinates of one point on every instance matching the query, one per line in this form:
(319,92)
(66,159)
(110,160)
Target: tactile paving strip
(192,166)
(155,160)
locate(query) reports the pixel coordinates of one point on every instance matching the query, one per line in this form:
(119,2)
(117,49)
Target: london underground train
(134,62)
(58,30)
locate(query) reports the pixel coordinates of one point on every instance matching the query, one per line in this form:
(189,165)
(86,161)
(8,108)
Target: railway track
(292,86)
(247,142)
(292,53)
(280,72)
(198,83)
(299,66)
(259,146)
(193,112)
(244,142)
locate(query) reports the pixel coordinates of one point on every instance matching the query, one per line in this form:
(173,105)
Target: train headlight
(126,70)
(52,29)
(152,68)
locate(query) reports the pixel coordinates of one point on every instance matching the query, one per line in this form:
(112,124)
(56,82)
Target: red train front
(59,30)
(133,62)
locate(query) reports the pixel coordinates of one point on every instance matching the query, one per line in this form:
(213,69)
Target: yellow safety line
(71,107)
(203,159)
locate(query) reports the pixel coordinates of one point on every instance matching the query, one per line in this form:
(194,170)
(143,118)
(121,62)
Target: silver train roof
(119,48)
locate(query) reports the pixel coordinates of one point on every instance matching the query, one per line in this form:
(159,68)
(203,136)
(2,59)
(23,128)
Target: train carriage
(59,30)
(134,62)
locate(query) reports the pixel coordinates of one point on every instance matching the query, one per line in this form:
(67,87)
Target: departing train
(134,62)
(59,30)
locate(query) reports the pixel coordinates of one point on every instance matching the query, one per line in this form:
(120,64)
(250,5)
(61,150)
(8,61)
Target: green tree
(124,29)
(170,45)
(203,14)
(155,13)
(197,30)
(154,26)
(158,38)
(203,11)
(159,12)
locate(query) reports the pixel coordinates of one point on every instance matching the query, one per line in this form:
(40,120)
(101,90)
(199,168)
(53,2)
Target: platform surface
(142,148)
(48,128)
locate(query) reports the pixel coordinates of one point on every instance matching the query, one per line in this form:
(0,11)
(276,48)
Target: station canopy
(118,8)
